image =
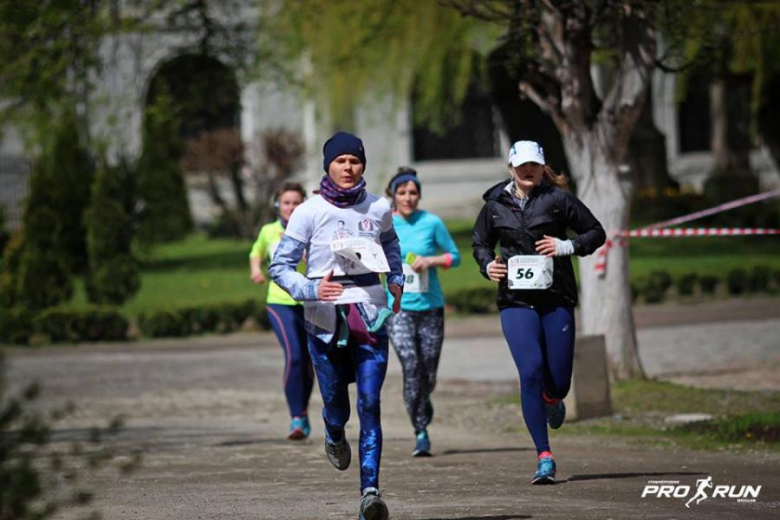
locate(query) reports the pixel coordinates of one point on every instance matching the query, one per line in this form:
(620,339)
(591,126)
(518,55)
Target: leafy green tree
(113,275)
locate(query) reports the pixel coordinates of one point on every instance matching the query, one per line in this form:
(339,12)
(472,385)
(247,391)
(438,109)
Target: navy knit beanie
(342,143)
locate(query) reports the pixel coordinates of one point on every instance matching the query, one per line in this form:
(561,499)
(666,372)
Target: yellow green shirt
(265,247)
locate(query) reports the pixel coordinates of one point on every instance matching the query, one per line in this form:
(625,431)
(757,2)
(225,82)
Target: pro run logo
(704,490)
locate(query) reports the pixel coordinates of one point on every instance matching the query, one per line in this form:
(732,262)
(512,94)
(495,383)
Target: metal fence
(14,185)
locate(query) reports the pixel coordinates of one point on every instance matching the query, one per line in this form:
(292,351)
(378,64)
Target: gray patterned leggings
(417,337)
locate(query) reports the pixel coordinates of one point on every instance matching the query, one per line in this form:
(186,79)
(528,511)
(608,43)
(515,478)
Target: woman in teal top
(417,332)
(286,315)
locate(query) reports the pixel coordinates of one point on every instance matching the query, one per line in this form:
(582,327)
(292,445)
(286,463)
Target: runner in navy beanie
(343,143)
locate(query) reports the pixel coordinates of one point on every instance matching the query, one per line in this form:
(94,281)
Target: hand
(257,277)
(422,263)
(397,292)
(546,246)
(496,270)
(329,291)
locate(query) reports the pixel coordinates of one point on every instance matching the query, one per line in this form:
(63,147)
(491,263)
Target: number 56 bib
(529,272)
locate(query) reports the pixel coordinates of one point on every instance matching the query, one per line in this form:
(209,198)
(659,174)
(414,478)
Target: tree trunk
(606,301)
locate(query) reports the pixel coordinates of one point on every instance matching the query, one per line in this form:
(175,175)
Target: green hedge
(221,318)
(18,325)
(477,300)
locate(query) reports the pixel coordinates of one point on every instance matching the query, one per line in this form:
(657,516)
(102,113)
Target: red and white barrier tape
(701,232)
(620,238)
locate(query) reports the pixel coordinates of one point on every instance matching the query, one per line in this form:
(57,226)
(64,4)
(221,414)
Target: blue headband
(403,179)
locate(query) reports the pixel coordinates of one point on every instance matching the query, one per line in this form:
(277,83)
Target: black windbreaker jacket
(549,211)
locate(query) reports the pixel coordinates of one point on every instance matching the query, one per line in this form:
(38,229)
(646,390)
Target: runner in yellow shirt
(285,314)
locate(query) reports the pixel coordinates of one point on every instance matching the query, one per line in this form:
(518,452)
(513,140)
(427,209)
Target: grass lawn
(200,270)
(741,419)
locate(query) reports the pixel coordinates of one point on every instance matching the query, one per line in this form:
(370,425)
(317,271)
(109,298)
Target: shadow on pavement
(499,517)
(607,476)
(482,450)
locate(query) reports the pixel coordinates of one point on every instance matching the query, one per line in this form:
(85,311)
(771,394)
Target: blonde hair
(549,176)
(555,179)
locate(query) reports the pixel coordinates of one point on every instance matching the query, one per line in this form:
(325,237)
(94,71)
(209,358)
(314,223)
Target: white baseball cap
(526,151)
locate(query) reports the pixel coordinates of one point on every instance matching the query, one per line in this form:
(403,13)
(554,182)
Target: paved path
(209,417)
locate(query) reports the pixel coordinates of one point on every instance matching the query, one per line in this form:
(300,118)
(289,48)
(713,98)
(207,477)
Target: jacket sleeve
(590,234)
(392,249)
(484,240)
(283,270)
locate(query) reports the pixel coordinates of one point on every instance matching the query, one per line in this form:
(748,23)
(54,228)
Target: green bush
(686,284)
(43,277)
(219,317)
(477,300)
(9,275)
(84,325)
(760,279)
(161,188)
(113,275)
(164,324)
(16,325)
(737,281)
(656,285)
(708,283)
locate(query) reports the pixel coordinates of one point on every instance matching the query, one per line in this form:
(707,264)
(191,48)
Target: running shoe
(299,428)
(423,446)
(339,453)
(556,413)
(372,507)
(545,471)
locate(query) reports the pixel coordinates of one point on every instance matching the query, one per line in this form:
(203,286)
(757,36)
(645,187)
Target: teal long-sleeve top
(424,234)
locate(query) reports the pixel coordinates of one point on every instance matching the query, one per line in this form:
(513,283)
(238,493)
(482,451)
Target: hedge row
(18,326)
(656,287)
(186,321)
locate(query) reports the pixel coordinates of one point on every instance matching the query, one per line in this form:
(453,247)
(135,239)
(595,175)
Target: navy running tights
(336,368)
(542,344)
(287,322)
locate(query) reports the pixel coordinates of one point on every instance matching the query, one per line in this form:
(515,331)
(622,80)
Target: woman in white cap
(348,236)
(527,216)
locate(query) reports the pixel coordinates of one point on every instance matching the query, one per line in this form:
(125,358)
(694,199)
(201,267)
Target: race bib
(362,251)
(415,282)
(529,272)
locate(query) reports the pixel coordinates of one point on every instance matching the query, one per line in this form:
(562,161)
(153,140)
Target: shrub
(83,325)
(708,283)
(9,275)
(477,300)
(113,275)
(163,324)
(161,188)
(686,284)
(43,275)
(16,326)
(737,281)
(218,317)
(760,279)
(656,285)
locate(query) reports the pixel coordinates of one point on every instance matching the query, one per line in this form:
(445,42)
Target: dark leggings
(287,322)
(417,337)
(336,368)
(542,344)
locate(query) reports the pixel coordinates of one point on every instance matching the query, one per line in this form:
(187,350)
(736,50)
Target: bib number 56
(523,272)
